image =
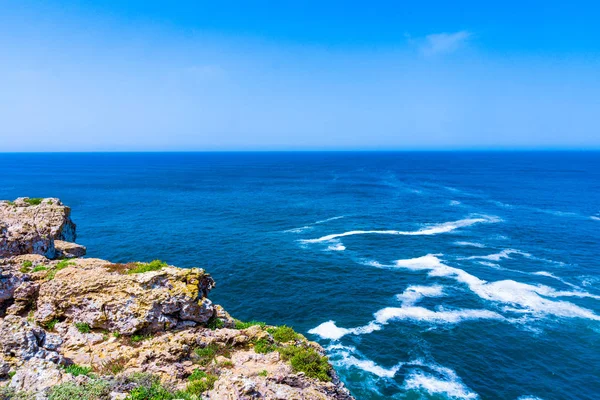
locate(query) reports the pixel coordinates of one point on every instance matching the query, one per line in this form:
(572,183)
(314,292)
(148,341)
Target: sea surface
(467,275)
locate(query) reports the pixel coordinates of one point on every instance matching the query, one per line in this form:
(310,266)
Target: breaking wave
(430,230)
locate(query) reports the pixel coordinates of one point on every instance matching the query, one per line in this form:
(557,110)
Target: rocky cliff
(83,328)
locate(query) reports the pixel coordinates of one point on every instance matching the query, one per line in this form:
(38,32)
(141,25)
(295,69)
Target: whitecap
(336,247)
(595,218)
(455,203)
(445,382)
(329,330)
(497,256)
(430,230)
(528,397)
(471,244)
(414,293)
(310,226)
(346,357)
(387,314)
(528,298)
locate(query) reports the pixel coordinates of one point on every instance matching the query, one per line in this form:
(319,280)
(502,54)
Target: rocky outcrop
(87,291)
(85,326)
(31,226)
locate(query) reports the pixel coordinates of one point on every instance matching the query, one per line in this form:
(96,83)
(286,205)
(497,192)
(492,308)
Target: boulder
(30,226)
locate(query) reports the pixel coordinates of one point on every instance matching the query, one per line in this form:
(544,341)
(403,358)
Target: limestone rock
(30,228)
(88,292)
(68,249)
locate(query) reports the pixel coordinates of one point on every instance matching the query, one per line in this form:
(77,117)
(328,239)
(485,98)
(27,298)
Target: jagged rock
(36,376)
(32,229)
(88,292)
(68,249)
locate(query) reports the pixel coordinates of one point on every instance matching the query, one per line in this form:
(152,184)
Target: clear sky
(298,75)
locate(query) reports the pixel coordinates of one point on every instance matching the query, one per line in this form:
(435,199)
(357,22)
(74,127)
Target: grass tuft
(283,333)
(140,268)
(33,201)
(262,346)
(77,370)
(244,325)
(83,327)
(307,360)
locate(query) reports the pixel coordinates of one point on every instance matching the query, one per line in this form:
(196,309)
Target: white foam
(343,356)
(430,230)
(310,226)
(498,256)
(299,230)
(595,218)
(414,293)
(471,244)
(329,219)
(370,366)
(455,203)
(528,397)
(525,297)
(329,330)
(387,314)
(336,247)
(447,383)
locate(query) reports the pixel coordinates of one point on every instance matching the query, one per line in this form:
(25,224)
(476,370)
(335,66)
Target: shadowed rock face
(120,320)
(31,226)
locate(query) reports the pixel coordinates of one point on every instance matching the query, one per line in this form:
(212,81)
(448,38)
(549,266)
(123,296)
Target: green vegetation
(10,394)
(33,201)
(149,387)
(215,323)
(147,267)
(77,370)
(27,264)
(140,338)
(243,325)
(116,334)
(200,384)
(93,389)
(153,392)
(50,325)
(206,354)
(61,265)
(263,373)
(283,333)
(83,327)
(39,268)
(307,360)
(262,346)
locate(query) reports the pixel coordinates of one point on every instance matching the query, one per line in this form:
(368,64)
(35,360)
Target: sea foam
(429,230)
(445,382)
(526,297)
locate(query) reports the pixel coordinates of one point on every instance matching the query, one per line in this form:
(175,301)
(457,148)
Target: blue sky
(303,75)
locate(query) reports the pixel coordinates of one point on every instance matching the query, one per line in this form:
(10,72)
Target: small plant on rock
(77,370)
(83,327)
(34,201)
(307,360)
(283,333)
(215,323)
(140,268)
(244,325)
(262,346)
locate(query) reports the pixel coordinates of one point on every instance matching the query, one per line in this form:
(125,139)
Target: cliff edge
(85,328)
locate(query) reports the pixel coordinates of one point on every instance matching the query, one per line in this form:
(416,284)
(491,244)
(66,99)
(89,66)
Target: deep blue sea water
(425,275)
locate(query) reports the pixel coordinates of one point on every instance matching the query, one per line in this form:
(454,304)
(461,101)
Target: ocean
(425,275)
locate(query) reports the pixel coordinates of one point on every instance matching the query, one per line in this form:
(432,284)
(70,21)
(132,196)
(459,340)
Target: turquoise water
(425,275)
